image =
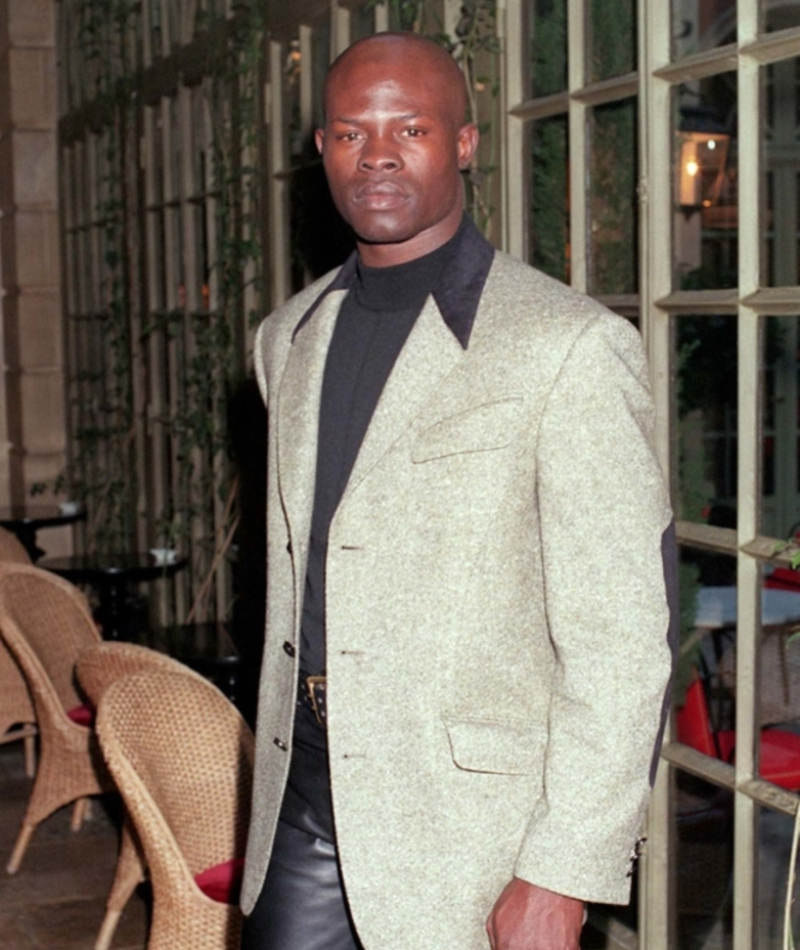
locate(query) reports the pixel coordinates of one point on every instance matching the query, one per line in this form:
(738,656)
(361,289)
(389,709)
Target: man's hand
(526,917)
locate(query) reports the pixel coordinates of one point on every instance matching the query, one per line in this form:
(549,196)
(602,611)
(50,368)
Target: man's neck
(401,252)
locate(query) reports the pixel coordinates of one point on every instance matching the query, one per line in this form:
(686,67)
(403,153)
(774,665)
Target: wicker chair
(17,717)
(11,549)
(45,623)
(97,668)
(182,757)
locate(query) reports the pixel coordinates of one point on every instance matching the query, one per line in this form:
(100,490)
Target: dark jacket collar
(459,290)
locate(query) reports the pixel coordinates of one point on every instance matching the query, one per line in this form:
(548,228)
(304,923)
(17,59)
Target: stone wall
(32,429)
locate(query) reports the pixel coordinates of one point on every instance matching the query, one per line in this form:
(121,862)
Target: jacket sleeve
(608,556)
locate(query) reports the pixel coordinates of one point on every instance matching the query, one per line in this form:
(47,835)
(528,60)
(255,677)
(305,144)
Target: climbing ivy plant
(102,471)
(114,331)
(234,289)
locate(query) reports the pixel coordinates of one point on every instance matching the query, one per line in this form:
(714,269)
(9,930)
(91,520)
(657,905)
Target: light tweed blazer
(497,649)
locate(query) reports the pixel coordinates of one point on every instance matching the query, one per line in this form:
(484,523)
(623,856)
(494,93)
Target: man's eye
(348,136)
(414,133)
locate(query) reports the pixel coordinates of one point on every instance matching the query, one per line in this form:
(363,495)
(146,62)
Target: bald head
(406,55)
(394,144)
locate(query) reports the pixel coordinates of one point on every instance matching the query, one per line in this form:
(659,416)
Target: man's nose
(379,155)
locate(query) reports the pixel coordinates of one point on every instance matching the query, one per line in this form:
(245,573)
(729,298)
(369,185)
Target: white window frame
(657,77)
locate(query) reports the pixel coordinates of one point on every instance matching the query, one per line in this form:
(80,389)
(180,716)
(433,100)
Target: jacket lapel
(298,416)
(429,355)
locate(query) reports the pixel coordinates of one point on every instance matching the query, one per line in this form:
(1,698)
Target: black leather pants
(302,904)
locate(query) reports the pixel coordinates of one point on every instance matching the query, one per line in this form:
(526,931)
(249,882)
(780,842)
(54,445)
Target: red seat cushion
(83,715)
(694,726)
(783,578)
(223,882)
(780,758)
(726,739)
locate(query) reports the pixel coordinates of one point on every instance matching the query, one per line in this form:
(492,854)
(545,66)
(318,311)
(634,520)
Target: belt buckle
(316,686)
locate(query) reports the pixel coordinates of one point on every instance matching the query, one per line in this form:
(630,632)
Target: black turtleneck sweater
(373,323)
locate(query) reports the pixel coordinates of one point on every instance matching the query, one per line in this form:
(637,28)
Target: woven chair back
(104,663)
(182,757)
(11,549)
(46,623)
(15,700)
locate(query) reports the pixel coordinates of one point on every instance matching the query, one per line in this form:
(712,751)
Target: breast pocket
(483,428)
(504,747)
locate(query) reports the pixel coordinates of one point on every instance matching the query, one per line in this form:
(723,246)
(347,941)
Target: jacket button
(280,744)
(288,648)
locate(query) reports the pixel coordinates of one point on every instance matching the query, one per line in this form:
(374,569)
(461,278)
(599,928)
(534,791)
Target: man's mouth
(380,196)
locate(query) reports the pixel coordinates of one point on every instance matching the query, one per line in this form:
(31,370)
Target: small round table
(25,520)
(111,575)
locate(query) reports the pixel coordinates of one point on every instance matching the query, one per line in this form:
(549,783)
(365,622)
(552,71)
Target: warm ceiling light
(700,168)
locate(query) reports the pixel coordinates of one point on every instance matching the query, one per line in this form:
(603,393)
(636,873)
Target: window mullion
(277,144)
(156,354)
(306,82)
(578,180)
(340,32)
(516,198)
(578,144)
(382,17)
(747,20)
(749,486)
(748,611)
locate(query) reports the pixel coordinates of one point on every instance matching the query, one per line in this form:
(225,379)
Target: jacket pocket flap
(486,745)
(492,425)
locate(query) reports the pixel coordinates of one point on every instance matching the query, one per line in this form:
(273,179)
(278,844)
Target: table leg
(111,609)
(26,534)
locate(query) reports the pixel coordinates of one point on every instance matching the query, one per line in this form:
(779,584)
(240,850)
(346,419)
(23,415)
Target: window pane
(778,695)
(172,24)
(156,38)
(706,392)
(780,476)
(706,681)
(779,16)
(702,24)
(612,925)
(780,141)
(291,73)
(706,218)
(705,720)
(547,25)
(321,54)
(774,850)
(779,673)
(703,868)
(362,22)
(549,208)
(405,16)
(613,201)
(612,37)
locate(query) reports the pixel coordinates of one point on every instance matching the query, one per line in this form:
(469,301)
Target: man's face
(393,146)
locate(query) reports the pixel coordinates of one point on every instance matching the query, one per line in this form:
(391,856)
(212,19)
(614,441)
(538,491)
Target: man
(467,537)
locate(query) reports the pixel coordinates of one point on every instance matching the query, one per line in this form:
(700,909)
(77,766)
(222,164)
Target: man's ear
(319,139)
(467,142)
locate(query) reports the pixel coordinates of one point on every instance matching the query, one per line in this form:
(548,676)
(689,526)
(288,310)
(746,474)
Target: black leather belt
(312,692)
